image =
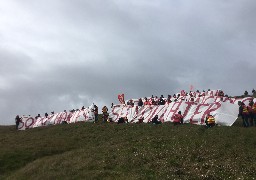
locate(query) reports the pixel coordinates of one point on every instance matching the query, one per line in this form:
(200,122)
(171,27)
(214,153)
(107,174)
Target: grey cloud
(64,54)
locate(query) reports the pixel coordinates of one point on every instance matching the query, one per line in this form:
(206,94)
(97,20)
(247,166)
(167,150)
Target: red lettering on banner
(247,99)
(228,99)
(206,98)
(189,104)
(175,110)
(127,110)
(197,100)
(78,115)
(65,116)
(160,108)
(74,116)
(60,118)
(135,113)
(161,118)
(122,109)
(69,117)
(209,110)
(45,120)
(31,124)
(115,113)
(57,118)
(21,126)
(39,120)
(142,111)
(85,115)
(149,115)
(197,112)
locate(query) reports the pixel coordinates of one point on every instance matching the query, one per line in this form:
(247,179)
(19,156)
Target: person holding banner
(244,113)
(105,113)
(95,111)
(17,121)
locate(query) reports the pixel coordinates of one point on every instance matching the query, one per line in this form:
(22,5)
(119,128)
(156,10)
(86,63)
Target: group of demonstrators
(247,112)
(182,96)
(177,120)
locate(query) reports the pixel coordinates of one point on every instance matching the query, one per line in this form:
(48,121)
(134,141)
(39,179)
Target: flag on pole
(121,98)
(183,93)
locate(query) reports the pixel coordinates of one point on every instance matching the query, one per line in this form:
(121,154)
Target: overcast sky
(63,54)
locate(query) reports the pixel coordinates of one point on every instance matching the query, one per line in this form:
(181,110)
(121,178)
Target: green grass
(128,151)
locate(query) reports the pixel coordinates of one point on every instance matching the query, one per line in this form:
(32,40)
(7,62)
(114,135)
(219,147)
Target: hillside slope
(127,151)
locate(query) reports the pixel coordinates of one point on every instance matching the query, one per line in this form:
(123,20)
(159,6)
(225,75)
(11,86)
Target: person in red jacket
(177,119)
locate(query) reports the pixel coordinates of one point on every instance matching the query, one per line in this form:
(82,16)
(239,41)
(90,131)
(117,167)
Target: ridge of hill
(128,151)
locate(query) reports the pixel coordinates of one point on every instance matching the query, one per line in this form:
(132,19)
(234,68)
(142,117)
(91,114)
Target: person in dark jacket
(17,121)
(155,120)
(96,112)
(122,120)
(161,100)
(140,103)
(244,113)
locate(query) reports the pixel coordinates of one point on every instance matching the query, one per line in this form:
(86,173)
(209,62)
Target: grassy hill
(128,151)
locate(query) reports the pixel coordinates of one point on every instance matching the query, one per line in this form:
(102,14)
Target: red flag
(183,93)
(121,98)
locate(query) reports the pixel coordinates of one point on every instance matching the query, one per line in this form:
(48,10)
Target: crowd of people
(183,96)
(248,113)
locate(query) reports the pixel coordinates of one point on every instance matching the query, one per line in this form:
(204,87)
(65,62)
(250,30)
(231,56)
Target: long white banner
(225,113)
(85,115)
(224,109)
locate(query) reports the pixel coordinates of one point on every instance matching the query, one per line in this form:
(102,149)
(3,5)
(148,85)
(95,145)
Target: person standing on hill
(244,113)
(17,121)
(95,111)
